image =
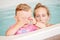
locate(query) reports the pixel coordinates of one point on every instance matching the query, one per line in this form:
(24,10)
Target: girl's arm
(13,30)
(41,25)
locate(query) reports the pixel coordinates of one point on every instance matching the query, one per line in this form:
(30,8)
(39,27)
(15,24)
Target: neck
(47,25)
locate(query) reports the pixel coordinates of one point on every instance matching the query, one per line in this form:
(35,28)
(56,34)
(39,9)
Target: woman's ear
(48,19)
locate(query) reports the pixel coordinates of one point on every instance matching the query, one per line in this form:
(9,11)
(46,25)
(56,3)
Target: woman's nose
(40,18)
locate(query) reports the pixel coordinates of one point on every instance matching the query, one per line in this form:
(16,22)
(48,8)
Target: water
(7,14)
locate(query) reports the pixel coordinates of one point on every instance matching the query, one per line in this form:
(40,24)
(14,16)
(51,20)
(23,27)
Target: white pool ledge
(40,34)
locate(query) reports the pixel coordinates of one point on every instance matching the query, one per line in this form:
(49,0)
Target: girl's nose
(30,18)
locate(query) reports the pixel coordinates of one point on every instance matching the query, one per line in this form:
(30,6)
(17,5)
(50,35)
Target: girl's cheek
(31,20)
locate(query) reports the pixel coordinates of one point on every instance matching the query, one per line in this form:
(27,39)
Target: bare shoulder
(50,25)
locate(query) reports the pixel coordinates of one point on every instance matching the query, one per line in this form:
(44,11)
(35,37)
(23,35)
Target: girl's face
(41,15)
(24,16)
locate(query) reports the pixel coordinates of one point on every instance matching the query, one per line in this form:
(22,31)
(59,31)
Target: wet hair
(42,6)
(23,7)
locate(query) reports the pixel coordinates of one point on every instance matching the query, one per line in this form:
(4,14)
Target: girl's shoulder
(12,26)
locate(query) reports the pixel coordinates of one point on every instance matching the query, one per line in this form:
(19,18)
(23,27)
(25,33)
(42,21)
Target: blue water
(7,14)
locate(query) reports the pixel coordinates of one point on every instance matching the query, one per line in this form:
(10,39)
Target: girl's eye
(38,16)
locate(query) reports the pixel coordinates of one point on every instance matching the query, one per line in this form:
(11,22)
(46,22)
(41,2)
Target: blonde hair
(40,5)
(23,7)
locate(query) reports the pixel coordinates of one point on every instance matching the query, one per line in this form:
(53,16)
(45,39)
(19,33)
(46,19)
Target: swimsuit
(27,28)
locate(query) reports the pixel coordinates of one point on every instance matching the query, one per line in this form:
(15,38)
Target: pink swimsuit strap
(27,28)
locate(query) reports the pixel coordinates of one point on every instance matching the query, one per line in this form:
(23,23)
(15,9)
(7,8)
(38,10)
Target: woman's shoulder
(50,25)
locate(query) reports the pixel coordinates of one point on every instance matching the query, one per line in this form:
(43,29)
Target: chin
(44,22)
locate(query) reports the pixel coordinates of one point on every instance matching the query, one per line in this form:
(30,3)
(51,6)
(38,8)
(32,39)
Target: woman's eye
(43,15)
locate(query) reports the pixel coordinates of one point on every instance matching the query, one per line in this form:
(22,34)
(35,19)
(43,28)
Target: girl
(41,14)
(24,21)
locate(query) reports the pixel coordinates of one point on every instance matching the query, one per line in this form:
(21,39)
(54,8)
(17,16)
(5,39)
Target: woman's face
(41,15)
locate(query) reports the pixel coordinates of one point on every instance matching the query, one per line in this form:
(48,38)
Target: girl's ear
(15,17)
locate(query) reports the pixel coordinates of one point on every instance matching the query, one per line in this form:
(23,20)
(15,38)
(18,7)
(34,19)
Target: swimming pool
(7,12)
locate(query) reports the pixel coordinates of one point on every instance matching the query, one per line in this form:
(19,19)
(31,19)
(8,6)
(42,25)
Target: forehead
(24,13)
(41,10)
